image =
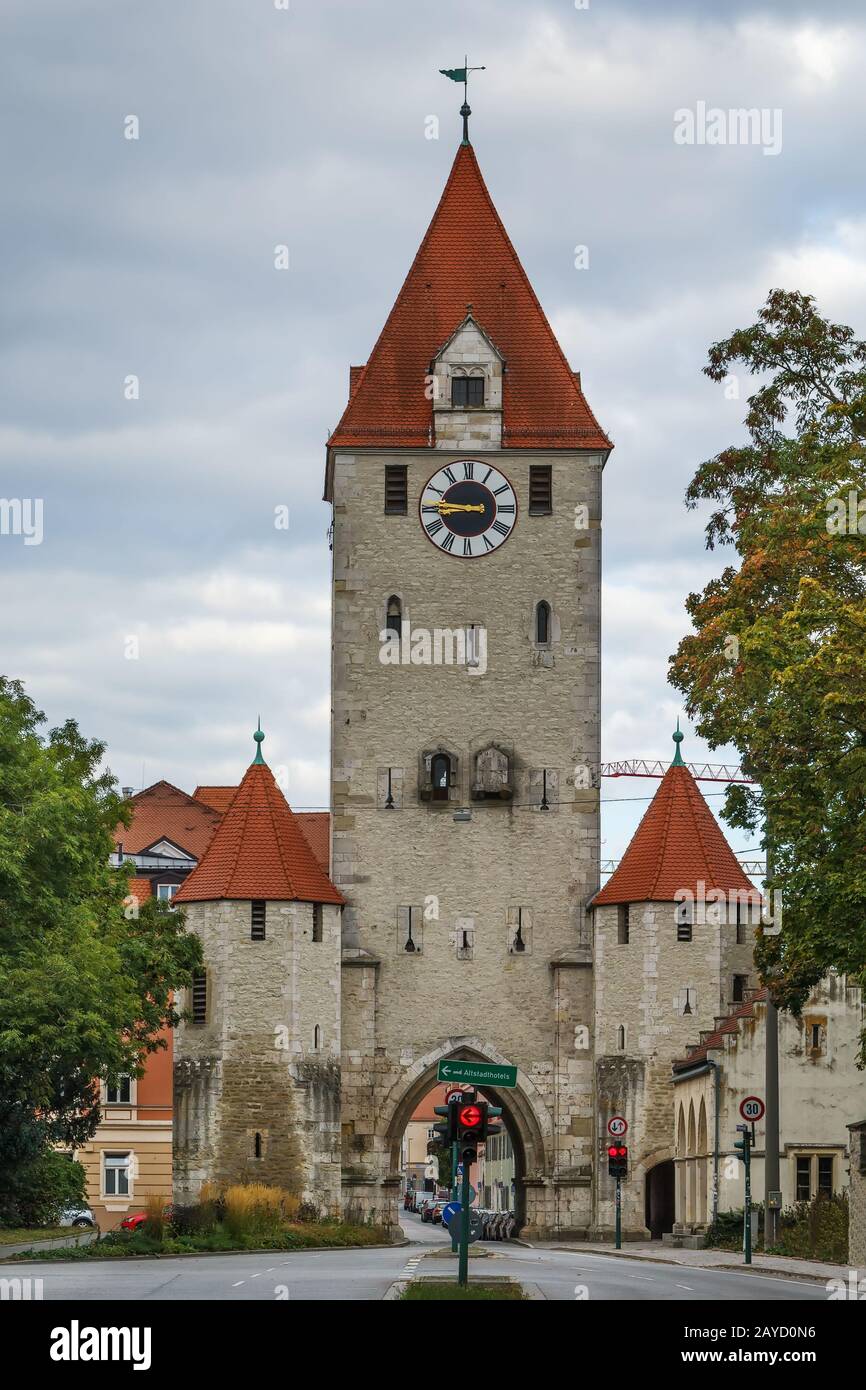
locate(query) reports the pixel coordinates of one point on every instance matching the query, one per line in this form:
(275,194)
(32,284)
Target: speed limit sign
(752,1108)
(617,1126)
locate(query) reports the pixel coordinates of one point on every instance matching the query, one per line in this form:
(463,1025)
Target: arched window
(620,1038)
(394,615)
(440,776)
(317,1039)
(542,624)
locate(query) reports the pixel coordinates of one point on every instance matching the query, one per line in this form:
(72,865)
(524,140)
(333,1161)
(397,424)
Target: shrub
(816,1230)
(42,1189)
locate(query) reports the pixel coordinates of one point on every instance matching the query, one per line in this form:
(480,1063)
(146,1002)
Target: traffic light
(446,1130)
(492,1112)
(617,1160)
(742,1144)
(471,1116)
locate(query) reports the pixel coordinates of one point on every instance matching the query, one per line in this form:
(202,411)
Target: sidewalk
(657,1251)
(60,1243)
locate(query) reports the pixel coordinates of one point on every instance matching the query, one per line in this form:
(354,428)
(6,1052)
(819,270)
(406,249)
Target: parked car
(138,1218)
(437,1208)
(76,1216)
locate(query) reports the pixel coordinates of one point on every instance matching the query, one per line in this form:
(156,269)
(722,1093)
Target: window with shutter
(199,996)
(257,921)
(540,490)
(396,489)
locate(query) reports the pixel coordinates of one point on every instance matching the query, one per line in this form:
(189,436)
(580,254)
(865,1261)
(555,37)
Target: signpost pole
(747,1212)
(618,1214)
(463,1257)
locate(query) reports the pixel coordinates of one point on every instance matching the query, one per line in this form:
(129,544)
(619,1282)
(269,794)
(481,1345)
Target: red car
(132,1223)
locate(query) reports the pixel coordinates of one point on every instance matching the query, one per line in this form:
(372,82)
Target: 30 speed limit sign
(617,1126)
(752,1108)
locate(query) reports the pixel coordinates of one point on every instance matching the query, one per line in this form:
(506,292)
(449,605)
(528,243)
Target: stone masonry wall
(266,1061)
(466,879)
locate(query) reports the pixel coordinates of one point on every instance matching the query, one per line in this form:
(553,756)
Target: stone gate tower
(465,480)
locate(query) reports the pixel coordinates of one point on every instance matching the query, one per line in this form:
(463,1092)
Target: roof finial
(678,738)
(259,738)
(462,75)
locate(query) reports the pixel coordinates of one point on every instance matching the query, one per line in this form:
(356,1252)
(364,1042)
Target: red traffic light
(617,1151)
(470,1117)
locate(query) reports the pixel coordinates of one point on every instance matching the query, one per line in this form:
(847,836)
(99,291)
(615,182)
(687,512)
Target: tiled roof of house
(218,798)
(698,1054)
(467,258)
(678,845)
(259,851)
(164,812)
(140,889)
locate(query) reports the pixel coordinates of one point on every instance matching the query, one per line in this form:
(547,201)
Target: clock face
(468,509)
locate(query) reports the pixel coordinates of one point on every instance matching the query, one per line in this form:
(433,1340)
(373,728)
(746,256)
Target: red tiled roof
(316,829)
(140,889)
(677,845)
(698,1054)
(467,257)
(258,851)
(164,812)
(218,798)
(315,825)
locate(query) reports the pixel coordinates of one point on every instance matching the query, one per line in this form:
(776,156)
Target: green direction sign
(477,1074)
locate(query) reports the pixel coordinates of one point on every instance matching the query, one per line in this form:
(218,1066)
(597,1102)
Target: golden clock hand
(446,508)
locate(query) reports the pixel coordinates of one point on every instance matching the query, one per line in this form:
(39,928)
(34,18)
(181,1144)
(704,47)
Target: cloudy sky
(304,124)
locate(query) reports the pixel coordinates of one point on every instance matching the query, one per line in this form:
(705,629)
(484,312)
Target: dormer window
(467,390)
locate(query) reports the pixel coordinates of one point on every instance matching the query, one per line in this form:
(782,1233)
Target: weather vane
(462,75)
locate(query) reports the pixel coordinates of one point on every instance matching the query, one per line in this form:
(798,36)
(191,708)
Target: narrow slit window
(620,1038)
(542,623)
(440,776)
(394,616)
(317,921)
(257,1146)
(257,921)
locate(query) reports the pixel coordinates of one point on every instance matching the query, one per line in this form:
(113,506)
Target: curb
(718,1268)
(218,1254)
(55,1243)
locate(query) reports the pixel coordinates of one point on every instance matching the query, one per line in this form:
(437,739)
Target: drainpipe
(717,1083)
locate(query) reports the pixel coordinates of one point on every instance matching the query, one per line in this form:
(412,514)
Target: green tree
(86,981)
(777,662)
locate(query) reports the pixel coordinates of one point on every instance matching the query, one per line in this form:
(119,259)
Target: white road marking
(688,1287)
(238,1284)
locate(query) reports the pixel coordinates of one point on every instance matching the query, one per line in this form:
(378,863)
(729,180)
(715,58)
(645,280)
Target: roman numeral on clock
(506,507)
(469,468)
(434,526)
(487,543)
(449,475)
(505,488)
(501,528)
(467,545)
(448,541)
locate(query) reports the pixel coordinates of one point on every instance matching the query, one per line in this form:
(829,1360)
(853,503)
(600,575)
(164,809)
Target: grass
(292,1236)
(14,1235)
(442,1290)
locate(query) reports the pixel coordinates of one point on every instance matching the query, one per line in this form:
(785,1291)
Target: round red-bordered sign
(752,1109)
(617,1126)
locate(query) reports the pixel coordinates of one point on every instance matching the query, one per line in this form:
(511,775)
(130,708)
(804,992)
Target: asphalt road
(359,1275)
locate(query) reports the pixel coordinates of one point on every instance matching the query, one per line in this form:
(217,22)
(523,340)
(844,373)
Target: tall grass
(254,1209)
(156,1222)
